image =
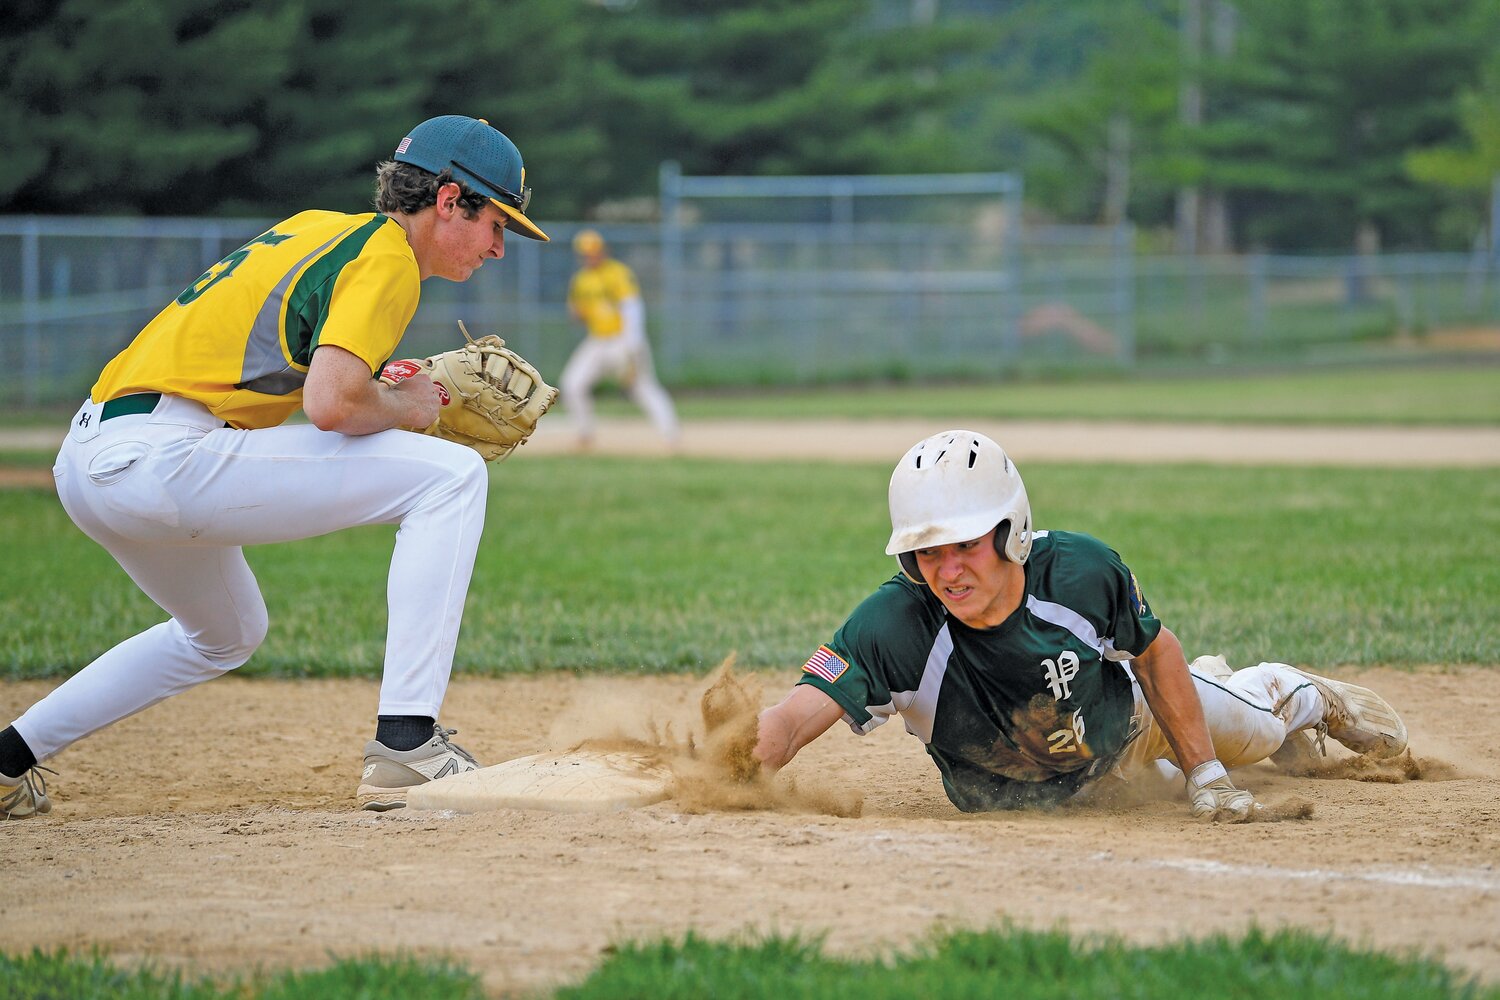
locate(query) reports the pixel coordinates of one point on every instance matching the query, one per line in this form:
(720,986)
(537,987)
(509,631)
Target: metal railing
(782,302)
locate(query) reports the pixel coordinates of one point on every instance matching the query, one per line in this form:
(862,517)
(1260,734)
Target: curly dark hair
(402,187)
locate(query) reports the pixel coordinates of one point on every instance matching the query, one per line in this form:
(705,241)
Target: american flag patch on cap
(827,664)
(404,146)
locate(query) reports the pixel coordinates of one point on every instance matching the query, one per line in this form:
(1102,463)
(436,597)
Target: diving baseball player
(181,455)
(606,299)
(1029,663)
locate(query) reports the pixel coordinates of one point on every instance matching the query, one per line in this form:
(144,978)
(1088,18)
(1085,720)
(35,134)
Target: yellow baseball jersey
(595,295)
(241,337)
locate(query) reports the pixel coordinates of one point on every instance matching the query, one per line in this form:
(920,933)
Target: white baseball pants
(625,358)
(173,494)
(1250,713)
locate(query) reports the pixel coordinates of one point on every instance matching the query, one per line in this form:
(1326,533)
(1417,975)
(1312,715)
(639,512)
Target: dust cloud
(1393,771)
(708,746)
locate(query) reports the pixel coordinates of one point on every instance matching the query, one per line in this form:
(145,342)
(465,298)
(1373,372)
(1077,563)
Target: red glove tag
(398,371)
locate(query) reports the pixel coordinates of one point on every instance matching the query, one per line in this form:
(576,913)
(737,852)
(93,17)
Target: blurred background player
(1030,664)
(605,297)
(181,455)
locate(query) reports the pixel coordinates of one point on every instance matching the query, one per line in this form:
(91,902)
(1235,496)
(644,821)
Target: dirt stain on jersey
(1046,743)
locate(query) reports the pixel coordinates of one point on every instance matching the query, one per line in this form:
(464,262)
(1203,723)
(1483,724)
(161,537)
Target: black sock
(404,732)
(16,757)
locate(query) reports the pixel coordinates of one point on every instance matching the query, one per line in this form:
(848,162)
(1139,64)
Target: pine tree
(133,107)
(1315,114)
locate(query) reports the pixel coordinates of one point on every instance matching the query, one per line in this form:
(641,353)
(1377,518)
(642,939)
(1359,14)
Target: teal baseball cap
(479,155)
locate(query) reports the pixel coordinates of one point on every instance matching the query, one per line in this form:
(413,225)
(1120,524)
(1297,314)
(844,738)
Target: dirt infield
(216,832)
(883,441)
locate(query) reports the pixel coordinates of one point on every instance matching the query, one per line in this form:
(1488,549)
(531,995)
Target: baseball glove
(491,398)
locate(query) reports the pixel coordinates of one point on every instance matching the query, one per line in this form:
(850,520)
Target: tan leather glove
(491,398)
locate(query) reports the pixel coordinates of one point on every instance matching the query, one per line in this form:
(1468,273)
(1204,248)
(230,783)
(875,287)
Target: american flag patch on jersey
(827,664)
(405,145)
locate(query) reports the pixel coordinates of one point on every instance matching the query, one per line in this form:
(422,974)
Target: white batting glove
(1213,796)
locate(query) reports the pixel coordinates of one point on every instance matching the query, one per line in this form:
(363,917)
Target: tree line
(1209,124)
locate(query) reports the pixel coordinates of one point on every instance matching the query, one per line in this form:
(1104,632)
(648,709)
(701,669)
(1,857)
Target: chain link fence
(881,295)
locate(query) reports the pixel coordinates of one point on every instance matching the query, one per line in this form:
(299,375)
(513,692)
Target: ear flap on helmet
(1002,538)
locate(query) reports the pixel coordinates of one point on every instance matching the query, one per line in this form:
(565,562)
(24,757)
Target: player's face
(461,245)
(972,580)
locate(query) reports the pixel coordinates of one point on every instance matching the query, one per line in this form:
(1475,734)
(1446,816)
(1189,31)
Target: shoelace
(31,783)
(1321,740)
(442,737)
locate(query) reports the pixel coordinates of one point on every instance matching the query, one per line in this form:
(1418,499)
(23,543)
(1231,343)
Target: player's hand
(419,393)
(1213,797)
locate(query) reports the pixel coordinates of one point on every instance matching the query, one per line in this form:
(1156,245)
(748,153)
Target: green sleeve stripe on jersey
(855,712)
(311,293)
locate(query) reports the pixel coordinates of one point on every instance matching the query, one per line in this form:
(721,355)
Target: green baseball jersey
(1020,714)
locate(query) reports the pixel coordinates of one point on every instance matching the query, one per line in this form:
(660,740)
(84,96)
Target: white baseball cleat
(389,774)
(26,796)
(1358,718)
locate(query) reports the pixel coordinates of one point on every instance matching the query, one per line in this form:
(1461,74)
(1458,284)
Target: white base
(577,781)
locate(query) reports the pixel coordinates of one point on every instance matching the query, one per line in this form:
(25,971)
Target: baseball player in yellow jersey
(180,455)
(606,299)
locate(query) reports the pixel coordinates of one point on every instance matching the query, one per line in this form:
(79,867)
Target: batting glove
(1213,796)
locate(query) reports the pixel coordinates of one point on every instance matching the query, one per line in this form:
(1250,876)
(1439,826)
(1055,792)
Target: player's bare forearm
(1162,672)
(785,728)
(341,395)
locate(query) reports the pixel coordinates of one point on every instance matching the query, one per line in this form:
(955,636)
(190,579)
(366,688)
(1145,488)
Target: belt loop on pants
(136,402)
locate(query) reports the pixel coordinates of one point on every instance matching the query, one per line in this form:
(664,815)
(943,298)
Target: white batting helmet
(952,487)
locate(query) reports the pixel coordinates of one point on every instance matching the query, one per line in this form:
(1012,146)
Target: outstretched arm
(801,717)
(1162,672)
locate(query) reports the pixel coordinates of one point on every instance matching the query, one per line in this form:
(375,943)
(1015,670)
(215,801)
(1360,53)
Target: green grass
(57,975)
(960,964)
(1402,394)
(27,459)
(604,564)
(1405,395)
(1024,965)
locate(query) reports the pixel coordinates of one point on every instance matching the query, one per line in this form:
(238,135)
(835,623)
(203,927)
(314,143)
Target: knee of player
(458,481)
(473,472)
(471,479)
(237,645)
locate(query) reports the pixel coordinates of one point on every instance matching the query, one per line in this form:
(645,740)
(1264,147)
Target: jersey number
(1067,740)
(225,267)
